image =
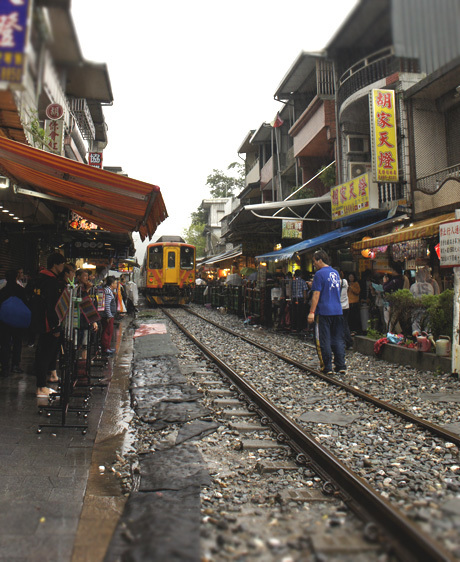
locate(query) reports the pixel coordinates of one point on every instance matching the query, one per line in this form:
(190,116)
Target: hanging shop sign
(383,136)
(449,243)
(13,39)
(409,250)
(291,229)
(95,159)
(89,249)
(358,195)
(54,132)
(54,111)
(76,222)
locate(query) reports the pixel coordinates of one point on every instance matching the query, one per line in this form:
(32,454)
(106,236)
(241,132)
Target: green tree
(194,234)
(222,185)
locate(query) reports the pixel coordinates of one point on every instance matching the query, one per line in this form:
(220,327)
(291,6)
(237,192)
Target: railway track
(407,539)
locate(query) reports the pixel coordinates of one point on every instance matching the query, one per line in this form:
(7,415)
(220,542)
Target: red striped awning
(114,202)
(422,229)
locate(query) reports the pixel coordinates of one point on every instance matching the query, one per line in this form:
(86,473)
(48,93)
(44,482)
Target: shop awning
(230,254)
(422,229)
(114,202)
(321,240)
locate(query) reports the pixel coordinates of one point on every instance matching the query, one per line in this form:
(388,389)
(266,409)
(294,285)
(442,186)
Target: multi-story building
(405,54)
(408,52)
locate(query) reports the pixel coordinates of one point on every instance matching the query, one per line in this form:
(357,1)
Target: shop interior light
(4,182)
(20,220)
(88,266)
(5,211)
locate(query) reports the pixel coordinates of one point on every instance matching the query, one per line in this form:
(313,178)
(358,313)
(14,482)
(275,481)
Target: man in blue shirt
(326,312)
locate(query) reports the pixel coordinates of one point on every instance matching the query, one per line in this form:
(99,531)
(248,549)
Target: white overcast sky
(191,79)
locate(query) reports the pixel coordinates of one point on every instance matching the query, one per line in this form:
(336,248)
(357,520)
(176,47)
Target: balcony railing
(391,192)
(83,117)
(370,69)
(432,183)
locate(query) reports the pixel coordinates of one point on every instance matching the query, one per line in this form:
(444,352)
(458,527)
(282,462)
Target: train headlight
(151,280)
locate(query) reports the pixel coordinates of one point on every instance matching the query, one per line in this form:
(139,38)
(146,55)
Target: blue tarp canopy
(344,231)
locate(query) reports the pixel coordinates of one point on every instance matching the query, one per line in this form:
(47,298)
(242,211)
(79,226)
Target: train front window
(186,258)
(156,258)
(171,260)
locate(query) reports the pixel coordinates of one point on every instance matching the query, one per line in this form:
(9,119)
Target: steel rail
(411,544)
(431,427)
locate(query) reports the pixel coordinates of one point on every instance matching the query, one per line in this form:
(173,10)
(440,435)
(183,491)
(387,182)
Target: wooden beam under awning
(114,202)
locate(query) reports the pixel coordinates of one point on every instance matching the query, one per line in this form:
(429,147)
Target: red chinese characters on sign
(383,120)
(352,197)
(384,99)
(362,186)
(54,131)
(383,140)
(384,143)
(335,196)
(386,160)
(352,194)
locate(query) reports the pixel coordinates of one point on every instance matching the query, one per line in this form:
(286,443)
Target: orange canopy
(114,202)
(423,229)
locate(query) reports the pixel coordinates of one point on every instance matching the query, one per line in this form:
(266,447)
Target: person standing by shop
(108,314)
(354,319)
(46,295)
(326,312)
(11,336)
(345,310)
(299,297)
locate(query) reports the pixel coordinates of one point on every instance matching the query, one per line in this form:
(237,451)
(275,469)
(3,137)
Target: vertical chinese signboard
(355,196)
(13,38)
(54,128)
(383,136)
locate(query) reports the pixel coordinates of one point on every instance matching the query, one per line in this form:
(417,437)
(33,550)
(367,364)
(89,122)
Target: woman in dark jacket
(11,337)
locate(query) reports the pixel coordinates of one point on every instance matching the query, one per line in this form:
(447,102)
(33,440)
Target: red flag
(277,122)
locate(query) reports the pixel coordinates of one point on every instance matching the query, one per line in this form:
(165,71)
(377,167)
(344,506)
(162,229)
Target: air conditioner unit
(356,169)
(357,144)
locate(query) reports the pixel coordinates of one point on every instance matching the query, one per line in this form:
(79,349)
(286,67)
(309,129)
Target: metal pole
(456,320)
(273,166)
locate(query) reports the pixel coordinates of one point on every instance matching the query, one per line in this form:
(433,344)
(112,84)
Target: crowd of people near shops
(31,314)
(363,299)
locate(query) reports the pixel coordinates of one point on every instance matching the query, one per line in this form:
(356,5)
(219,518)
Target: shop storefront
(406,248)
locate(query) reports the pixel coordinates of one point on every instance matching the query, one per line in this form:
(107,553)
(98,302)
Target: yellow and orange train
(168,271)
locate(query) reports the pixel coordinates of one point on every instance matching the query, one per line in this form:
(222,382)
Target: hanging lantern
(366,253)
(438,250)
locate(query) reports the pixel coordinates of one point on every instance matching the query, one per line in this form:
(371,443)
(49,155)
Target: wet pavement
(57,503)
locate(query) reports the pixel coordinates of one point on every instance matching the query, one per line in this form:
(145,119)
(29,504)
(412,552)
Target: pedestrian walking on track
(326,312)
